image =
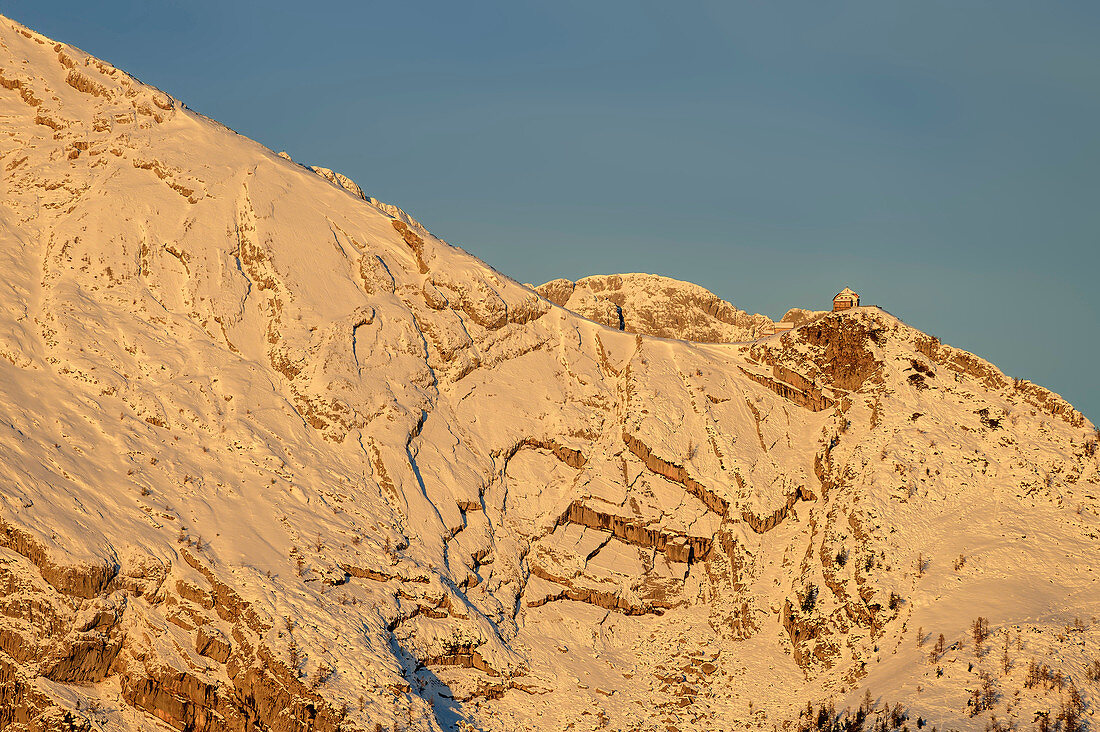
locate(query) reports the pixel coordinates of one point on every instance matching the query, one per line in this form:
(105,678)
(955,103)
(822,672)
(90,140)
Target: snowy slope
(274,457)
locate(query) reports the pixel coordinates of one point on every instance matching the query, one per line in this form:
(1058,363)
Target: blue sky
(942,158)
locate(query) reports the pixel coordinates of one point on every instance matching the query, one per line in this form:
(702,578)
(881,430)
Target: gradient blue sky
(942,158)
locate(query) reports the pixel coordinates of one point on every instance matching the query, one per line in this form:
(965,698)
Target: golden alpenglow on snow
(275,457)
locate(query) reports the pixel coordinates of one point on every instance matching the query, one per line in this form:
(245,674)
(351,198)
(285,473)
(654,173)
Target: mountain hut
(845,299)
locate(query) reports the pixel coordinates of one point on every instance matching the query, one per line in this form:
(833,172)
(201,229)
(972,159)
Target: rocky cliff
(273,457)
(656,306)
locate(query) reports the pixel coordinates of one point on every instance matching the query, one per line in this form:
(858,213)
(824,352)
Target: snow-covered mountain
(274,457)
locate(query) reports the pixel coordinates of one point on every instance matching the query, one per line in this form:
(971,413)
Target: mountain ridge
(656,306)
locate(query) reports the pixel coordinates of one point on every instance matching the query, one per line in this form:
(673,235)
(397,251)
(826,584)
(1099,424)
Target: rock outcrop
(656,306)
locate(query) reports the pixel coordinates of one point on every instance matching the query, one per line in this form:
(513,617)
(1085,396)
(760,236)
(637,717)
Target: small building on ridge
(845,299)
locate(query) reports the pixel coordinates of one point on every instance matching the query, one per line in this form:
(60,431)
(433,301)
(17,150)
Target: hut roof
(846,294)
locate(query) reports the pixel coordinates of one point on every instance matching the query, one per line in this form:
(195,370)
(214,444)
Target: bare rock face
(656,306)
(339,179)
(800,316)
(274,457)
